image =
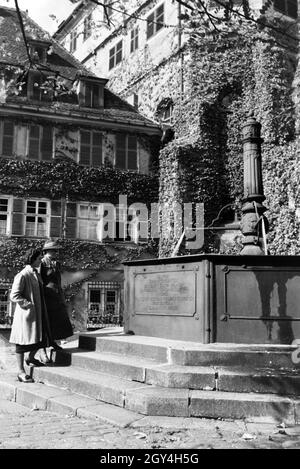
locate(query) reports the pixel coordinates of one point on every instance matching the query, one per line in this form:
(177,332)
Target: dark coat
(60,324)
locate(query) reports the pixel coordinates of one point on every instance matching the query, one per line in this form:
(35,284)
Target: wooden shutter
(55,219)
(34,142)
(96,96)
(8,138)
(85,147)
(88,95)
(47,143)
(132,152)
(150,25)
(121,151)
(97,149)
(71,221)
(18,217)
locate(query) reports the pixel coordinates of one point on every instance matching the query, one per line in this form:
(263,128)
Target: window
(126,152)
(115,55)
(88,220)
(87,27)
(40,145)
(92,95)
(39,87)
(134,39)
(38,50)
(36,218)
(288,7)
(164,111)
(103,303)
(155,21)
(5,305)
(4,216)
(7,130)
(90,148)
(73,41)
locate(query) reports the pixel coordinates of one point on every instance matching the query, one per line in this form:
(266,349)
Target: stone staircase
(158,377)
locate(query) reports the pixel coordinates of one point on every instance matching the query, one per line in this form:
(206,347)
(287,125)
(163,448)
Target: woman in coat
(30,328)
(60,324)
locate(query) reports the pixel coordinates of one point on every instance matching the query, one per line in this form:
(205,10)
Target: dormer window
(91,93)
(38,50)
(38,87)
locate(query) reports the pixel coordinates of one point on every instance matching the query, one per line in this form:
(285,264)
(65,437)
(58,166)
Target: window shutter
(121,151)
(71,221)
(34,142)
(97,149)
(8,138)
(96,96)
(47,143)
(150,25)
(18,217)
(56,219)
(81,93)
(132,153)
(88,95)
(85,147)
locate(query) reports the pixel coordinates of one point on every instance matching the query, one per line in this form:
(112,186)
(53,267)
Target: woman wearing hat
(30,328)
(60,324)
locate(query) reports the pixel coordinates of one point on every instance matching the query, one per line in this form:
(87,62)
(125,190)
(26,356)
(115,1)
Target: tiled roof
(13,52)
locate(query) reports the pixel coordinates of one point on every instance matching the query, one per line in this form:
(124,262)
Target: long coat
(27,322)
(60,324)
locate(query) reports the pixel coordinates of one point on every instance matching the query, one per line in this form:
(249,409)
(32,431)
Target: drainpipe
(207,301)
(181,53)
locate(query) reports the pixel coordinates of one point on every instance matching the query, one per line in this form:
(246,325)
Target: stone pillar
(254,224)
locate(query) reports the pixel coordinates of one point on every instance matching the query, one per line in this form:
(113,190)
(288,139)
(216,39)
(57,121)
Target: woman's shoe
(23,378)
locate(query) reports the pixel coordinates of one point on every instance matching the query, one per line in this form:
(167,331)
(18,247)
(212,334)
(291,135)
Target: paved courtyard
(23,428)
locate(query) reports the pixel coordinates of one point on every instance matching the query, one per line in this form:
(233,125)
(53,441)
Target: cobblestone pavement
(22,428)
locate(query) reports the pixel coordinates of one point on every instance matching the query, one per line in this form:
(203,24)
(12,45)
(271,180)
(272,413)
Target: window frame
(7,213)
(127,150)
(134,39)
(94,318)
(80,218)
(113,55)
(41,141)
(87,26)
(73,41)
(36,215)
(153,24)
(12,136)
(91,147)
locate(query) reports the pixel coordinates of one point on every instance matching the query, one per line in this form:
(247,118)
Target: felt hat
(49,245)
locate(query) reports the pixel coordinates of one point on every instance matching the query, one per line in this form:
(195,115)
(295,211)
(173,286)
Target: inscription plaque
(166,294)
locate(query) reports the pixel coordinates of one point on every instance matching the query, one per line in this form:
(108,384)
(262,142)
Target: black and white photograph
(149,228)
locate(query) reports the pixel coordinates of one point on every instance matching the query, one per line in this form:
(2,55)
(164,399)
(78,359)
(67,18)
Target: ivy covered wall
(227,77)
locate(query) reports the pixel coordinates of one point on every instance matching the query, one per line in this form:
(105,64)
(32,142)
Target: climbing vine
(228,76)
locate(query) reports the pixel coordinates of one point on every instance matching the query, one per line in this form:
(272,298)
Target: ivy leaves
(65,177)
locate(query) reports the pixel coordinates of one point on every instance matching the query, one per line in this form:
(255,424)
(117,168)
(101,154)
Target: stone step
(191,353)
(238,379)
(130,368)
(153,400)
